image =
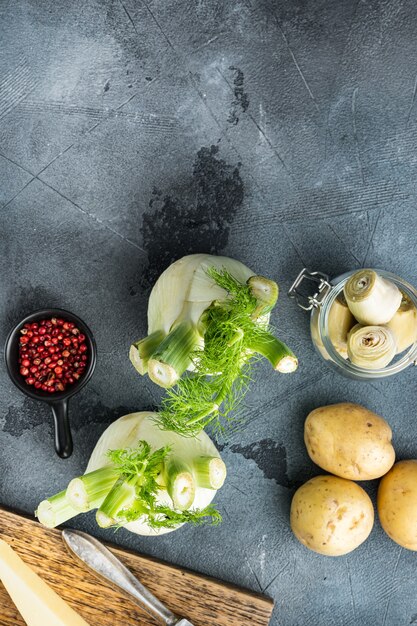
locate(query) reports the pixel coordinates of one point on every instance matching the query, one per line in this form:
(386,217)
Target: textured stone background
(283,133)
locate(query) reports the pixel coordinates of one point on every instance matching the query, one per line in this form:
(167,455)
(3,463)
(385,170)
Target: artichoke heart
(404,325)
(339,324)
(372,299)
(371,347)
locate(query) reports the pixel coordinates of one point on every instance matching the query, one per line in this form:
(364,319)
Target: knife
(105,565)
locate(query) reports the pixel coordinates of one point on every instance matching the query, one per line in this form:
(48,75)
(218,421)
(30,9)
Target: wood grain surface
(204,601)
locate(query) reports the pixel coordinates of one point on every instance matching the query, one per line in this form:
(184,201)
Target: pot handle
(63,437)
(309,302)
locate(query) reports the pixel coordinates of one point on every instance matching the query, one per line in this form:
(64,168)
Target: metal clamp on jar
(323,301)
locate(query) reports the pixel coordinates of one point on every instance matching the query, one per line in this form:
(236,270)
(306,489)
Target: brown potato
(349,441)
(331,515)
(397,503)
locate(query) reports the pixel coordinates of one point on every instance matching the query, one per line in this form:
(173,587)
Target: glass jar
(320,302)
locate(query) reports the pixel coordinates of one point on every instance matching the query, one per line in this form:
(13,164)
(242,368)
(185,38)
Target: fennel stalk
(55,510)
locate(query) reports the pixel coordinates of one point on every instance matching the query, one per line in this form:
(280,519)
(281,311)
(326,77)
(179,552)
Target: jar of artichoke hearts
(332,322)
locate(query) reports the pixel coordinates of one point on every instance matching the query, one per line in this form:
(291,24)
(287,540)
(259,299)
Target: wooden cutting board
(203,600)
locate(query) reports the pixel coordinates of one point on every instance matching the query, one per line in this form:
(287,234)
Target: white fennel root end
(162,374)
(287,365)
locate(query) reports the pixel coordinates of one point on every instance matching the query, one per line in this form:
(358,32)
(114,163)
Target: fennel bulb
(208,314)
(151,483)
(185,289)
(127,431)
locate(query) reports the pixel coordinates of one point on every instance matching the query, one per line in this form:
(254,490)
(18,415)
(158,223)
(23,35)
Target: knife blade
(104,564)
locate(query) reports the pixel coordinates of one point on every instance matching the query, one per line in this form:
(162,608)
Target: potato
(397,504)
(331,515)
(349,441)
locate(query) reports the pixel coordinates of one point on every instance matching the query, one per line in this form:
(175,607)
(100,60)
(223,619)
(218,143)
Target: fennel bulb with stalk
(144,479)
(127,431)
(208,314)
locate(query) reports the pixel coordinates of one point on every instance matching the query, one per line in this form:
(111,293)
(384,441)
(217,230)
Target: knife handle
(108,566)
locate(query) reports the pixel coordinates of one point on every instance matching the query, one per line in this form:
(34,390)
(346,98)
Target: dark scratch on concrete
(253,573)
(392,589)
(129,17)
(295,247)
(240,103)
(332,90)
(355,133)
(226,512)
(86,132)
(271,582)
(371,239)
(3,206)
(22,167)
(377,389)
(94,217)
(352,597)
(297,65)
(167,39)
(233,486)
(198,226)
(262,409)
(413,98)
(347,248)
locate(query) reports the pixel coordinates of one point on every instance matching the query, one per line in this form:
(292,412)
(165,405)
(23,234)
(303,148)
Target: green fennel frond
(223,367)
(161,516)
(140,467)
(164,517)
(238,292)
(139,460)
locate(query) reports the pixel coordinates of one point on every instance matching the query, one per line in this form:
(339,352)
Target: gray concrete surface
(281,133)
